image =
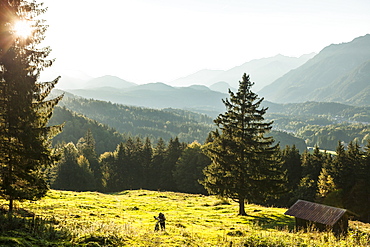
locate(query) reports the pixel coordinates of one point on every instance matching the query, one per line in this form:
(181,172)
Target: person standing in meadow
(161,222)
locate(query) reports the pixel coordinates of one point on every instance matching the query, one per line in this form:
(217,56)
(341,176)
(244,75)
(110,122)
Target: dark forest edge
(315,176)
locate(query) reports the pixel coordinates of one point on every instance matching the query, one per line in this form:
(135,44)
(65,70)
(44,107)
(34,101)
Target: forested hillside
(353,88)
(76,126)
(158,95)
(334,112)
(113,123)
(322,123)
(295,119)
(145,122)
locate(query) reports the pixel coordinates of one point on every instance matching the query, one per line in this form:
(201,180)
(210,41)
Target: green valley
(113,123)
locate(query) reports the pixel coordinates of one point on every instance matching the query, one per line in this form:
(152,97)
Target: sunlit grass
(126,218)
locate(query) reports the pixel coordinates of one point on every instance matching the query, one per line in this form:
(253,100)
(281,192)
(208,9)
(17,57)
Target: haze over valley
(338,73)
(339,70)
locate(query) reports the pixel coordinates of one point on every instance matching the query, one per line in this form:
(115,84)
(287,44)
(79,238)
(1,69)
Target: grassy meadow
(127,219)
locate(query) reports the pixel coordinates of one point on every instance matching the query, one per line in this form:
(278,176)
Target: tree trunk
(241,206)
(11,206)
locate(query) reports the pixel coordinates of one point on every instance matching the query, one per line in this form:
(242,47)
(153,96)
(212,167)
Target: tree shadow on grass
(278,221)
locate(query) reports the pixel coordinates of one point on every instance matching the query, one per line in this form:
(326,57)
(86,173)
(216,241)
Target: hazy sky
(161,40)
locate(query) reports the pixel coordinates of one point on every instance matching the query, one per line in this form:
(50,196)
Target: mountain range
(159,95)
(196,97)
(320,123)
(263,71)
(338,73)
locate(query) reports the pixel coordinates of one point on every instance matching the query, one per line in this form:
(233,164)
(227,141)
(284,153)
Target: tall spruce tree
(353,167)
(365,176)
(293,167)
(86,147)
(118,175)
(107,164)
(338,169)
(24,110)
(74,172)
(292,164)
(245,164)
(311,168)
(189,169)
(129,164)
(146,160)
(155,169)
(172,154)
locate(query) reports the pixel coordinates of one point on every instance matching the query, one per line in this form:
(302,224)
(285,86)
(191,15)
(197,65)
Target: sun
(23,28)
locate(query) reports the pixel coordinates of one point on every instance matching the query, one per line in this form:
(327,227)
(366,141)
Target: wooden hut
(321,217)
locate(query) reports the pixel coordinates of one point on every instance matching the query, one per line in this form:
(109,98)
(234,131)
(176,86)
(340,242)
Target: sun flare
(23,28)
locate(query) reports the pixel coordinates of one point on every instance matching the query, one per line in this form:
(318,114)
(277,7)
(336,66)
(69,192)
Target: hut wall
(301,224)
(339,228)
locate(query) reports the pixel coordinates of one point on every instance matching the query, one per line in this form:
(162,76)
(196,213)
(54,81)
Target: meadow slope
(127,219)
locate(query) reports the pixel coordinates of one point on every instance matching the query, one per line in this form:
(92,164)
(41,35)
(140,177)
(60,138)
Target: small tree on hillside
(245,164)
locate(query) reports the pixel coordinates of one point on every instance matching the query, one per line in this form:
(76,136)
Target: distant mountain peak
(199,87)
(222,87)
(108,81)
(263,71)
(323,77)
(201,77)
(155,86)
(280,56)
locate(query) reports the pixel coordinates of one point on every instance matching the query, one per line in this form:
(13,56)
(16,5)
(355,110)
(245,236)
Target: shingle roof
(316,212)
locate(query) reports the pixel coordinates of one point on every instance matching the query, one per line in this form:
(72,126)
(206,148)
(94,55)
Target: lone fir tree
(24,107)
(245,163)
